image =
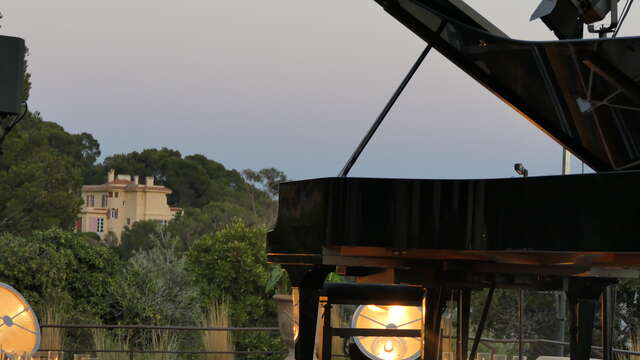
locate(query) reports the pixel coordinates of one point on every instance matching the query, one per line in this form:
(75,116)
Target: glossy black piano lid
(583,93)
(597,212)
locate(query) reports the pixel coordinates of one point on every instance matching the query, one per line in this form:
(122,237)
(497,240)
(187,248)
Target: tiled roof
(125,186)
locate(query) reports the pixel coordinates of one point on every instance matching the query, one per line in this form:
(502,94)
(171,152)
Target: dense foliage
(70,269)
(40,175)
(230,263)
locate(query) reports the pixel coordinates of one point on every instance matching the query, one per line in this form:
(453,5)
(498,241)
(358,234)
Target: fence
(133,353)
(487,343)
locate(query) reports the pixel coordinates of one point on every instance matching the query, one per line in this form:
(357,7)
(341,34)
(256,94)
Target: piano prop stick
(445,239)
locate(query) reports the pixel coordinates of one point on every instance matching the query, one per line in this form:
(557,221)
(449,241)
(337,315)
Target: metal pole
(561,300)
(520,327)
(327,335)
(464,304)
(561,310)
(483,320)
(606,320)
(356,154)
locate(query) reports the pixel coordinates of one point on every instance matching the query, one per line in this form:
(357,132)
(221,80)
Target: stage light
(562,17)
(388,317)
(566,18)
(595,10)
(19,329)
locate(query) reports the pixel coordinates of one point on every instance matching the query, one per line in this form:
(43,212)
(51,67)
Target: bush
(232,263)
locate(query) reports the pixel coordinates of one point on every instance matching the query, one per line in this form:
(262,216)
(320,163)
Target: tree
(539,312)
(194,223)
(59,267)
(39,194)
(252,179)
(268,180)
(40,177)
(155,288)
(197,181)
(271,179)
(628,313)
(141,236)
(231,263)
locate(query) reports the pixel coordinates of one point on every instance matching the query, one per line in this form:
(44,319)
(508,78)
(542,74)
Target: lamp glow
(388,346)
(19,329)
(388,317)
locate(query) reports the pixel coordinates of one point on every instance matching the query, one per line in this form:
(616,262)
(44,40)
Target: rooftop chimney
(111,177)
(136,179)
(148,180)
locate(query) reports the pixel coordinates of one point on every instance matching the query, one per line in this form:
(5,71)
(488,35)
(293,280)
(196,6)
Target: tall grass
(105,340)
(635,345)
(218,316)
(52,338)
(163,340)
(337,343)
(4,356)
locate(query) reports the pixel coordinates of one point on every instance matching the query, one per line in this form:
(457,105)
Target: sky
(288,84)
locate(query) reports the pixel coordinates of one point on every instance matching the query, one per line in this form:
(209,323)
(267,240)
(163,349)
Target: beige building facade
(122,201)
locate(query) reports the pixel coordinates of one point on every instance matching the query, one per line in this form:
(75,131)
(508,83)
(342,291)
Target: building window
(110,194)
(128,221)
(100,225)
(104,200)
(116,194)
(90,201)
(114,213)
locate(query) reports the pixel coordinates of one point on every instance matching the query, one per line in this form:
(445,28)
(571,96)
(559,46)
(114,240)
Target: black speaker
(12,68)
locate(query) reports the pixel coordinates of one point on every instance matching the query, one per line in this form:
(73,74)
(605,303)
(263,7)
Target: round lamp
(388,317)
(19,329)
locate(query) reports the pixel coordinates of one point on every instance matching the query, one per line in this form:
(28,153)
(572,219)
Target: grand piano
(576,234)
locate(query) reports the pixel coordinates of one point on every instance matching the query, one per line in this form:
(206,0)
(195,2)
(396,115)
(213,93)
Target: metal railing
(487,343)
(131,352)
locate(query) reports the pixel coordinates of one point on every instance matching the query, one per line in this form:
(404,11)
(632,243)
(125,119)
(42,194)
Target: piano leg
(607,311)
(433,307)
(464,309)
(308,280)
(583,296)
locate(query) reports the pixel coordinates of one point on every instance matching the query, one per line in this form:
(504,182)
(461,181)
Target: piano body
(576,234)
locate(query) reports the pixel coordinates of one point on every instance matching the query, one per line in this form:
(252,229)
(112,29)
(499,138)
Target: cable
(16,121)
(7,129)
(625,12)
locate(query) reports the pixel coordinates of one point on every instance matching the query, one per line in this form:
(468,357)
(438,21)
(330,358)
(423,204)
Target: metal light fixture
(388,317)
(520,170)
(19,329)
(566,18)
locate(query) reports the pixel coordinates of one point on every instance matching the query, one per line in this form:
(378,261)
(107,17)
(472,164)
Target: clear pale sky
(288,84)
